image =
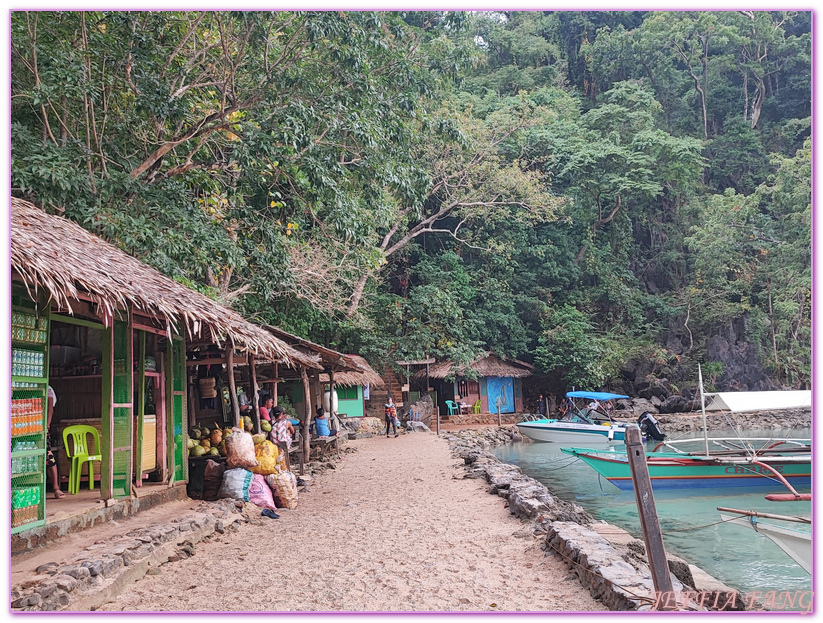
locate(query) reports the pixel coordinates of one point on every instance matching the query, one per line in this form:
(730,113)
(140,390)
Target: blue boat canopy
(595,395)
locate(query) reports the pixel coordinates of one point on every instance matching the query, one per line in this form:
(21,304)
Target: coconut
(205,443)
(258,438)
(214,452)
(266,426)
(216,436)
(198,451)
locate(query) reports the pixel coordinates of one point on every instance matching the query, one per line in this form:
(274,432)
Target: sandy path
(394,528)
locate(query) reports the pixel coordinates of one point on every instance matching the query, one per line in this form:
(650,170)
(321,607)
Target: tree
(218,135)
(469,180)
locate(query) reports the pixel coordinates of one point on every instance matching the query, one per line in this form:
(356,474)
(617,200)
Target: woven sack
(236,483)
(286,483)
(240,450)
(266,454)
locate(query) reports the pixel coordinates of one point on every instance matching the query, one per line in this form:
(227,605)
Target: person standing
(541,406)
(391,414)
(51,439)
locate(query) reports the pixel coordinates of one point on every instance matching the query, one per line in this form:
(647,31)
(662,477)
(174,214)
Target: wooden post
(274,385)
(255,406)
(437,409)
(652,536)
(304,426)
(192,414)
(499,419)
(332,410)
(232,386)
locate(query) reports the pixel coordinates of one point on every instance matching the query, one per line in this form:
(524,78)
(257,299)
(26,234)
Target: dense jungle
(613,196)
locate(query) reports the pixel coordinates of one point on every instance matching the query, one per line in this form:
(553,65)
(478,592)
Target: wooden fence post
(652,536)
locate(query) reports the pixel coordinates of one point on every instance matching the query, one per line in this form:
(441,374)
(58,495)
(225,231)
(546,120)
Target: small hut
(351,388)
(496,383)
(111,336)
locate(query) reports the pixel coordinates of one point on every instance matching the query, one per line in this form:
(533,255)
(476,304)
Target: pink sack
(260,493)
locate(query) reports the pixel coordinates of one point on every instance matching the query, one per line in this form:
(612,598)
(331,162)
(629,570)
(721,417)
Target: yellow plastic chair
(80,453)
(476,407)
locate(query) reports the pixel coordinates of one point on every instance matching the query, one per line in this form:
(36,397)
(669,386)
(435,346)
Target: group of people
(567,406)
(282,428)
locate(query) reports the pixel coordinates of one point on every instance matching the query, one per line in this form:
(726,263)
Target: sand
(395,527)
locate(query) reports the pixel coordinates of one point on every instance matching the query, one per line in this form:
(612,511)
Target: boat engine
(649,427)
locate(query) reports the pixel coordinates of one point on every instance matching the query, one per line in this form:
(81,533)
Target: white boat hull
(554,431)
(798,545)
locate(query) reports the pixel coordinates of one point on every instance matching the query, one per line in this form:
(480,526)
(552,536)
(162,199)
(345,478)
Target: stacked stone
(87,576)
(621,580)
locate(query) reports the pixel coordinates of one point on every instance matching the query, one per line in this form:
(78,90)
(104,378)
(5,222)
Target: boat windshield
(576,416)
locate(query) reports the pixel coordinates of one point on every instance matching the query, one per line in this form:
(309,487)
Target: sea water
(689,519)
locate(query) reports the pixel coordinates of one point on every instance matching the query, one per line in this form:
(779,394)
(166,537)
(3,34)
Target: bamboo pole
(304,426)
(703,408)
(232,385)
(274,385)
(255,406)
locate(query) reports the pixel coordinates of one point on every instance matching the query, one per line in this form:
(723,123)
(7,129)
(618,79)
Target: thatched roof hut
(321,355)
(56,255)
(351,379)
(488,364)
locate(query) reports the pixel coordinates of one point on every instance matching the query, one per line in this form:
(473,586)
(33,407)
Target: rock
(95,567)
(46,590)
(29,600)
(77,572)
(417,427)
(66,582)
(49,567)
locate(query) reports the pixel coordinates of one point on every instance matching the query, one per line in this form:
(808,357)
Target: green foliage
(569,344)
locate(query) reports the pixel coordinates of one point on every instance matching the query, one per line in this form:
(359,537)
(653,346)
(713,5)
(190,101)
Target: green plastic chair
(476,407)
(80,454)
(452,407)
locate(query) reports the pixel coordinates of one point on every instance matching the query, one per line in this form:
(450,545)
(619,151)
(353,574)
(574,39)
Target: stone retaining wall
(121,509)
(616,575)
(99,572)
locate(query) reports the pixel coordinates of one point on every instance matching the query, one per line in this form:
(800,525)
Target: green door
(176,411)
(117,411)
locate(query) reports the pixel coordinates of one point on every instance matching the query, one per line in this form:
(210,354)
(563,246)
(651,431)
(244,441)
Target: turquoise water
(735,555)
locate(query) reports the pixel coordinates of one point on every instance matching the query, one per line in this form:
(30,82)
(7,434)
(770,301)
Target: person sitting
(282,429)
(265,406)
(321,424)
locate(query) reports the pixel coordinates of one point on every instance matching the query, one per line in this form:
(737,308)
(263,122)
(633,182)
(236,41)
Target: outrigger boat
(580,424)
(796,543)
(726,462)
(729,463)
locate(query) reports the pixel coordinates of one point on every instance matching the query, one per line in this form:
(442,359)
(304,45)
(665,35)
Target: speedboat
(580,424)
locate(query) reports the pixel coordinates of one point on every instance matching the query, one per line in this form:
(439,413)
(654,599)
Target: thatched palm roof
(323,355)
(56,255)
(486,365)
(351,379)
